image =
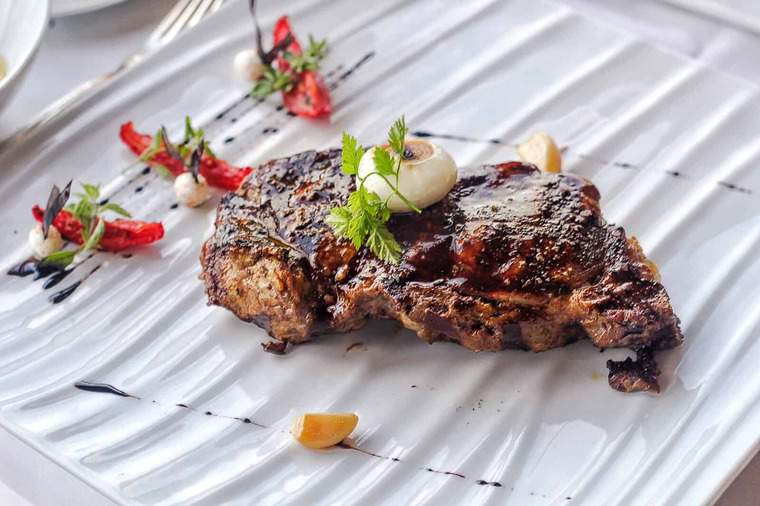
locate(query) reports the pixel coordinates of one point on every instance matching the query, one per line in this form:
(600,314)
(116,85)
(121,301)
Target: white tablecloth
(81,47)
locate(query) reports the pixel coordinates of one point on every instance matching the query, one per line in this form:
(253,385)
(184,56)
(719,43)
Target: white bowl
(22,23)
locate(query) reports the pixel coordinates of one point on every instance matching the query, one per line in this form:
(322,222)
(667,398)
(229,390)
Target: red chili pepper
(118,234)
(217,172)
(310,97)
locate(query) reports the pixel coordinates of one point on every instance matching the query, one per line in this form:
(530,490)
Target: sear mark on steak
(510,258)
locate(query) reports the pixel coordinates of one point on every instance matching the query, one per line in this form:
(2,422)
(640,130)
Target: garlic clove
(322,430)
(541,151)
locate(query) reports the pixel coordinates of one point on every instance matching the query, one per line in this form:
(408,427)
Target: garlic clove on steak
(322,430)
(426,175)
(541,151)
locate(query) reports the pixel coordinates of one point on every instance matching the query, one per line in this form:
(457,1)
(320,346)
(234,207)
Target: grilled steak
(510,258)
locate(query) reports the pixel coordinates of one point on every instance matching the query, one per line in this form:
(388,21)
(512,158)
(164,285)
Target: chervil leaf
(384,246)
(396,136)
(338,219)
(351,154)
(384,162)
(116,208)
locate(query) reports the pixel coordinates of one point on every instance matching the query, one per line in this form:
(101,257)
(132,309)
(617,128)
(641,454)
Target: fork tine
(168,20)
(181,21)
(217,5)
(202,9)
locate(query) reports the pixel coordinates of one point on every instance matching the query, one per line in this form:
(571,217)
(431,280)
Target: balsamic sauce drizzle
(591,158)
(64,294)
(106,388)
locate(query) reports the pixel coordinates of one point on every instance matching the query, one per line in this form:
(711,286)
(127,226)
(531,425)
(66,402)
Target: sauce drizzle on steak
(510,258)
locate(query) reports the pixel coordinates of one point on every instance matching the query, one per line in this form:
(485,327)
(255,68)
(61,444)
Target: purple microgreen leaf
(195,159)
(169,147)
(56,201)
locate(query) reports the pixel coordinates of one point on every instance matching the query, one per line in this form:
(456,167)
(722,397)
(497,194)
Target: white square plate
(672,146)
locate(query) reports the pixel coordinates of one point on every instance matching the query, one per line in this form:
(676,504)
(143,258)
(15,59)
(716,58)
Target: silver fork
(185,14)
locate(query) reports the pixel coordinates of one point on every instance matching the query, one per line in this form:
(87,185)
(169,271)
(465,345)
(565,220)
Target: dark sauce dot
(127,255)
(246,420)
(496,484)
(482,482)
(229,139)
(182,405)
(139,189)
(145,171)
(396,459)
(64,294)
(174,206)
(209,413)
(291,114)
(103,202)
(269,130)
(280,107)
(219,116)
(233,120)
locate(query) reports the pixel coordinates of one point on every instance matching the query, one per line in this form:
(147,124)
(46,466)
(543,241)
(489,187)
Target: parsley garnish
(364,217)
(88,211)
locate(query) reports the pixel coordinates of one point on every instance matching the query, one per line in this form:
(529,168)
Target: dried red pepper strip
(118,235)
(217,172)
(310,97)
(138,143)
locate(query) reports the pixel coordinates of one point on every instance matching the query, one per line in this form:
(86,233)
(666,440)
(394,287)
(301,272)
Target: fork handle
(67,102)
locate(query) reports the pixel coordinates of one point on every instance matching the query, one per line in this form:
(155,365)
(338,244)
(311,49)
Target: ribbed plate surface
(673,147)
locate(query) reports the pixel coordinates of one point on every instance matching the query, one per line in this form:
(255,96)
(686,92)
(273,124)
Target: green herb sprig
(273,79)
(364,218)
(193,139)
(88,210)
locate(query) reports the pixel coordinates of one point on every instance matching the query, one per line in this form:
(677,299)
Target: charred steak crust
(510,258)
